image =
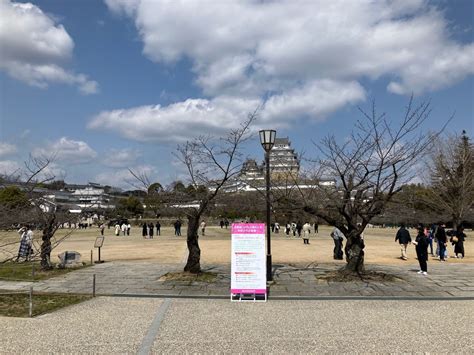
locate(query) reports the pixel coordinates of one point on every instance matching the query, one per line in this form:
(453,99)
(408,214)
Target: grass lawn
(17,305)
(12,271)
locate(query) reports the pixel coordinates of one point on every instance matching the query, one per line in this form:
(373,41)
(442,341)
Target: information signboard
(248,278)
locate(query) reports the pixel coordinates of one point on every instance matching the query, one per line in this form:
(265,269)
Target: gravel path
(122,325)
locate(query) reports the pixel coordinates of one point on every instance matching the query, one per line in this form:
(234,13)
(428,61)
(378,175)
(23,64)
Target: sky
(117,84)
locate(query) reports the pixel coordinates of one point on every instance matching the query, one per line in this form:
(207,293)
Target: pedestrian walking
(306,229)
(440,236)
(102,228)
(221,223)
(421,247)
(26,241)
(316,227)
(403,237)
(151,228)
(288,229)
(203,227)
(299,227)
(277,227)
(458,242)
(338,238)
(158,228)
(129,228)
(144,230)
(117,229)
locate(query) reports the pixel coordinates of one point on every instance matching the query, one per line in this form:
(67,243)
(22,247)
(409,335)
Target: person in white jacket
(306,232)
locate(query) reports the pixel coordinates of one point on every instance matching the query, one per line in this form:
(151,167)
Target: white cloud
(176,122)
(184,120)
(123,178)
(34,48)
(315,99)
(121,158)
(67,151)
(7,149)
(254,47)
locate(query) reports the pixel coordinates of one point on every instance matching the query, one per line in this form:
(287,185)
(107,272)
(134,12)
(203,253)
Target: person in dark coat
(440,236)
(299,227)
(151,229)
(158,228)
(403,237)
(144,230)
(458,242)
(421,246)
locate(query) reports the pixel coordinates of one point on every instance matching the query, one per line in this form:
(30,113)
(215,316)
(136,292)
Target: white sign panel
(248,259)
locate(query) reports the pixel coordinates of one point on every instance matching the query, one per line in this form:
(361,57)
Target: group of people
(224,223)
(124,228)
(148,229)
(424,240)
(177,227)
(296,228)
(26,243)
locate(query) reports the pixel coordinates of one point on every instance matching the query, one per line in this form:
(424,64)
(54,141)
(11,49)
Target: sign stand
(248,268)
(99,241)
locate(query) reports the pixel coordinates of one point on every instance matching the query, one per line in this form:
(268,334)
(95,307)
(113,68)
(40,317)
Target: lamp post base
(269,268)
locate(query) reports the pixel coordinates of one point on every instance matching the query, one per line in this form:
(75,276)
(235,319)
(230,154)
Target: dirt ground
(216,247)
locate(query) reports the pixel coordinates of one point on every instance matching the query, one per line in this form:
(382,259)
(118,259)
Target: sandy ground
(216,247)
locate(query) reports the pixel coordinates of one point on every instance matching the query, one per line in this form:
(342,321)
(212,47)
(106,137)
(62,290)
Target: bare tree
(452,176)
(210,163)
(37,211)
(370,167)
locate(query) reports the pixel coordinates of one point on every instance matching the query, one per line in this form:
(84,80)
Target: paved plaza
(445,280)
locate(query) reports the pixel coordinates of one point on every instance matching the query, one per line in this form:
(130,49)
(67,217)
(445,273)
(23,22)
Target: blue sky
(117,84)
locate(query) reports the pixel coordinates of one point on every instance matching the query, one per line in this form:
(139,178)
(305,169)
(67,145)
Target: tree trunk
(354,254)
(46,254)
(48,233)
(193,264)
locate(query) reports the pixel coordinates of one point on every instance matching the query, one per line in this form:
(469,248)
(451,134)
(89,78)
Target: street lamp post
(267,139)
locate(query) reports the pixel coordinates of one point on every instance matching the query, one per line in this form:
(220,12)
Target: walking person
(288,229)
(203,227)
(117,229)
(129,228)
(338,238)
(403,237)
(316,227)
(306,228)
(102,228)
(26,241)
(124,229)
(158,228)
(430,238)
(293,228)
(277,227)
(442,241)
(144,230)
(458,242)
(421,247)
(151,228)
(299,228)
(179,227)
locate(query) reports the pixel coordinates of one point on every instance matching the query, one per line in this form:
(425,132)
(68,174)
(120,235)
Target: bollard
(92,260)
(30,313)
(93,285)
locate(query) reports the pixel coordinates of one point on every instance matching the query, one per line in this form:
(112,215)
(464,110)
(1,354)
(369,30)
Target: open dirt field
(215,247)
